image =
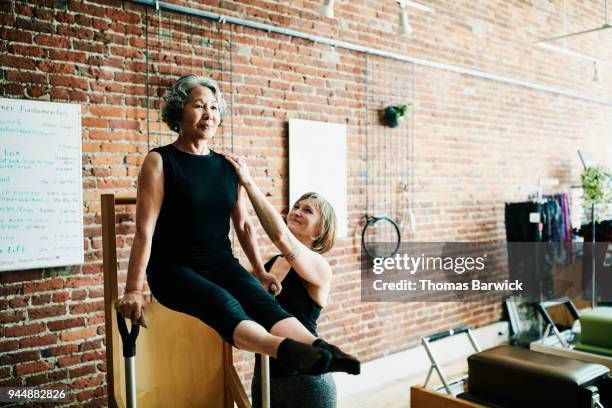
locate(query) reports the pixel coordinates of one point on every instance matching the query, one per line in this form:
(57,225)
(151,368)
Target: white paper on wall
(41,210)
(317,162)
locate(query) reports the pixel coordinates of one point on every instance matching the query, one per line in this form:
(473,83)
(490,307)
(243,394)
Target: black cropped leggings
(221,295)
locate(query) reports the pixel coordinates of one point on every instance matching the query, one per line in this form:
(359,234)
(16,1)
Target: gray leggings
(296,391)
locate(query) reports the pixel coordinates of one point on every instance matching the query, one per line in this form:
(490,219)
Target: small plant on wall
(394,114)
(597,186)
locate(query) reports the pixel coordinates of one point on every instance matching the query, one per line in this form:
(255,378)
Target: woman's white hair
(177,95)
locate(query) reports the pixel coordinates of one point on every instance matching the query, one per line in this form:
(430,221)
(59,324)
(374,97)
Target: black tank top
(200,193)
(294,299)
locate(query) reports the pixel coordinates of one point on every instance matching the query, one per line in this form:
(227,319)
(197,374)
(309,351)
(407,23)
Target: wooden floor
(392,395)
(396,394)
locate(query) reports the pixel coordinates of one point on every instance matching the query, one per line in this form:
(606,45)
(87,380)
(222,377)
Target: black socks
(304,358)
(318,358)
(340,360)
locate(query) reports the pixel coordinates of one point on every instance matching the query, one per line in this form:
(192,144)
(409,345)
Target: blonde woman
(306,278)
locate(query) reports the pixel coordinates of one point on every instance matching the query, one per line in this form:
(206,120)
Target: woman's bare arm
(150,194)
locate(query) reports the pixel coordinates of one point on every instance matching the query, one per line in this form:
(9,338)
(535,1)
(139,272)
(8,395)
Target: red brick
(106,111)
(43,14)
(36,91)
(46,285)
(11,382)
(53,67)
(124,16)
(61,297)
(85,395)
(66,324)
(11,317)
(58,376)
(29,368)
(21,357)
(79,282)
(27,50)
(68,81)
(87,382)
(96,293)
(52,41)
(41,299)
(78,295)
(59,94)
(9,345)
(11,89)
(76,95)
(26,77)
(90,345)
(82,8)
(94,122)
(92,268)
(5,372)
(8,290)
(64,17)
(38,341)
(34,25)
(78,334)
(17,36)
(24,330)
(93,356)
(68,361)
(19,302)
(76,32)
(82,371)
(20,276)
(37,379)
(60,351)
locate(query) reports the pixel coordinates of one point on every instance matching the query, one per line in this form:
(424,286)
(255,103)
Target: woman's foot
(304,358)
(340,360)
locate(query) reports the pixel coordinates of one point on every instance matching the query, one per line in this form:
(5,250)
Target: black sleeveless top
(294,299)
(200,193)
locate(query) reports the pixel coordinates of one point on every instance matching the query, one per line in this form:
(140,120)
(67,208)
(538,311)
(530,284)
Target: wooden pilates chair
(180,362)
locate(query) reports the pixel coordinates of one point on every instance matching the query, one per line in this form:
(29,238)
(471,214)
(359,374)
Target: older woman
(186,196)
(306,277)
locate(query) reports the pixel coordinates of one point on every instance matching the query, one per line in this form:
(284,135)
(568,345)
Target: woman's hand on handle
(270,282)
(131,305)
(242,170)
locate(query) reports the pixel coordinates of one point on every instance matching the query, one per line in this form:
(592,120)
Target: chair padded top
(513,376)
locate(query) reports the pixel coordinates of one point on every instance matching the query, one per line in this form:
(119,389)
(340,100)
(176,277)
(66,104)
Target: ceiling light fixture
(596,73)
(404,27)
(327,9)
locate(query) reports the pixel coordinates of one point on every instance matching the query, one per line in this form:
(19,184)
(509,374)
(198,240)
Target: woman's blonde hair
(328,224)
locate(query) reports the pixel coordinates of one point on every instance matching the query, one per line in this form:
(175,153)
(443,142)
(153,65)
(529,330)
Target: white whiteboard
(41,210)
(317,162)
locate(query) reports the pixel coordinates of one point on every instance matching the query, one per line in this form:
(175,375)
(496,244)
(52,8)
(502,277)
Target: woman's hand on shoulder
(242,170)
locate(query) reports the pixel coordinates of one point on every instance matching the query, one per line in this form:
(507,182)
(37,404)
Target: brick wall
(475,141)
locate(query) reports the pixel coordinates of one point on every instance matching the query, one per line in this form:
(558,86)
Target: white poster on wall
(41,210)
(317,162)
